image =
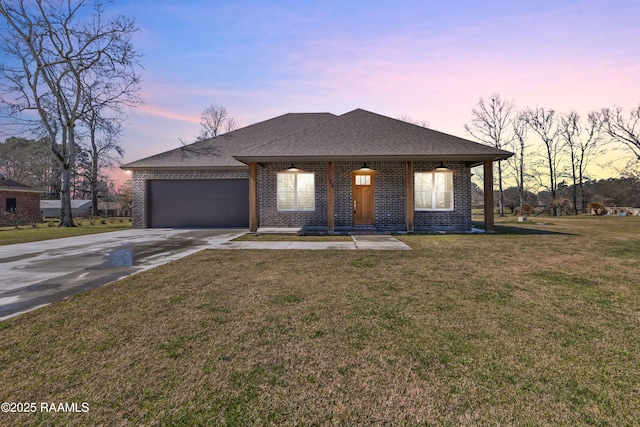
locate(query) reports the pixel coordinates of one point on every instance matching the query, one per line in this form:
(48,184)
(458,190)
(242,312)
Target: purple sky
(430,60)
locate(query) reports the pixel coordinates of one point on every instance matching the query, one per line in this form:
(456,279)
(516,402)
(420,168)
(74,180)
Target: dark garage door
(199,203)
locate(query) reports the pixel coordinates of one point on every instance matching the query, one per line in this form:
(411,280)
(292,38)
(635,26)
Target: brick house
(18,199)
(316,171)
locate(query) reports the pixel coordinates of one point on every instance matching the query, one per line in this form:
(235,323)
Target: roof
(11,185)
(359,134)
(369,136)
(219,151)
(75,204)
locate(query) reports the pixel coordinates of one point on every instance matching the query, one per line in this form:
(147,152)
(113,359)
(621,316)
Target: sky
(429,60)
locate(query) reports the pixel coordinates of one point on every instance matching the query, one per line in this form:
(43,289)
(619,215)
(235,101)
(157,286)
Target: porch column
(488,197)
(253,197)
(330,198)
(408,195)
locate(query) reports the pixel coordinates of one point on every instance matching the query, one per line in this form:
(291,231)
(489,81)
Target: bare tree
(584,143)
(517,162)
(52,47)
(620,129)
(417,122)
(103,102)
(545,124)
(212,120)
(102,147)
(490,123)
(569,130)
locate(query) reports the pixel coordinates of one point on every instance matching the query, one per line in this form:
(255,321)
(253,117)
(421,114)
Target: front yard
(508,329)
(47,230)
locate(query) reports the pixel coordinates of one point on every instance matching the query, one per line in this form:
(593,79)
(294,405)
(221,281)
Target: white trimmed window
(434,191)
(296,191)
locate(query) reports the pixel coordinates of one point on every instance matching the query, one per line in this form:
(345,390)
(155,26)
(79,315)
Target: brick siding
(389,206)
(27,204)
(389,195)
(460,217)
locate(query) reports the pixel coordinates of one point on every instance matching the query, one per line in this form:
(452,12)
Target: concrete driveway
(39,273)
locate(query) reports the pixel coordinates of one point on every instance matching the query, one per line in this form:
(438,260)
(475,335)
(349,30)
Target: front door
(362,190)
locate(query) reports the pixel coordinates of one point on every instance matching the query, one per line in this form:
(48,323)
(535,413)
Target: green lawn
(521,328)
(49,230)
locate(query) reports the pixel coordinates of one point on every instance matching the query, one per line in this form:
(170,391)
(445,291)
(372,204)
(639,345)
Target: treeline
(610,192)
(553,151)
(30,162)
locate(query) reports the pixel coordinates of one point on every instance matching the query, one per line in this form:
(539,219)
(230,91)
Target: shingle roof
(364,135)
(11,185)
(359,134)
(75,204)
(219,151)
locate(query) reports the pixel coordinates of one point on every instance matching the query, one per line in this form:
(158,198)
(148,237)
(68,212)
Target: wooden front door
(362,203)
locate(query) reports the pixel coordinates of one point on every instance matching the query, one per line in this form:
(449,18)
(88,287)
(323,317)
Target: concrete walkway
(365,242)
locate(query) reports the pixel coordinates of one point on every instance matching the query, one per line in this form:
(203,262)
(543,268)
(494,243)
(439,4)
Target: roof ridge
(290,133)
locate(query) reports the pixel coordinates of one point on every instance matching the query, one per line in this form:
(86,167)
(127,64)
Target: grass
(275,237)
(506,329)
(49,230)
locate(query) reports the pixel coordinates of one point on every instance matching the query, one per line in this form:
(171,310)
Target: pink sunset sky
(430,60)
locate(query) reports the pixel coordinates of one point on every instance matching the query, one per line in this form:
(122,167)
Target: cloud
(154,110)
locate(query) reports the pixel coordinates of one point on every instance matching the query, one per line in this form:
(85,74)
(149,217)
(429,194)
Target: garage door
(199,203)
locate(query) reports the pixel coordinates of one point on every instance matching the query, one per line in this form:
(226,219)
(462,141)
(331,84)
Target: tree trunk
(575,196)
(501,193)
(66,218)
(554,209)
(94,183)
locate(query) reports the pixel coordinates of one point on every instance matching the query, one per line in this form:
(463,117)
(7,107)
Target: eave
(472,159)
(185,168)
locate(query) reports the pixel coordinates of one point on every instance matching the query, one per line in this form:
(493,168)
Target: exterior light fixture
(292,168)
(365,167)
(441,167)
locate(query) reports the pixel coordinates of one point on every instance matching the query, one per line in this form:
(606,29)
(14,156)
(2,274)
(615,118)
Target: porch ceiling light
(293,168)
(441,167)
(365,167)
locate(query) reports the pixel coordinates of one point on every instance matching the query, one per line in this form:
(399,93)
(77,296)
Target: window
(11,205)
(296,191)
(363,179)
(434,191)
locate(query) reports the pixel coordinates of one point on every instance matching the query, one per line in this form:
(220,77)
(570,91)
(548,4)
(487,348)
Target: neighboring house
(51,208)
(110,209)
(20,199)
(357,171)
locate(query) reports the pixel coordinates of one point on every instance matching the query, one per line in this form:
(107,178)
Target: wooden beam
(253,197)
(488,197)
(330,198)
(408,196)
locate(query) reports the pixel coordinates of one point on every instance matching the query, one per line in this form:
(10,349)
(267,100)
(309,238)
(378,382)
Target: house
(51,208)
(18,199)
(110,209)
(319,171)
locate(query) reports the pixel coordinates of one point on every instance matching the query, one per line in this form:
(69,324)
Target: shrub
(597,208)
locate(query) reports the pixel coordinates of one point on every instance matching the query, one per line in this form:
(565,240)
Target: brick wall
(389,196)
(140,178)
(268,215)
(388,204)
(27,204)
(460,217)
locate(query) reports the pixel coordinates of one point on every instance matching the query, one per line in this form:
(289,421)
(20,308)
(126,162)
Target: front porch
(393,205)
